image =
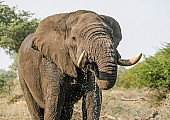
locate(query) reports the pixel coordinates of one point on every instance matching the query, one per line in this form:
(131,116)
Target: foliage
(14,27)
(6,77)
(14,65)
(153,72)
(121,69)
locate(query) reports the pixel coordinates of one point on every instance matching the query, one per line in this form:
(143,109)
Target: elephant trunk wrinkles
(107,66)
(102,51)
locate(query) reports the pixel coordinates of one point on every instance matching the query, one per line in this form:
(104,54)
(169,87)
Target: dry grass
(13,106)
(141,104)
(118,104)
(16,111)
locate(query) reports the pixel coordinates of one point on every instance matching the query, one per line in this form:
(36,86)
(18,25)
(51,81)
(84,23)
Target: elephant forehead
(89,18)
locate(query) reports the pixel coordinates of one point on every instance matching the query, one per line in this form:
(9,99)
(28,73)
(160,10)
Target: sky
(145,24)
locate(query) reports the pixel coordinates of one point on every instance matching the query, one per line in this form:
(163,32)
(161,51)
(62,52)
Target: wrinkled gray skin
(49,75)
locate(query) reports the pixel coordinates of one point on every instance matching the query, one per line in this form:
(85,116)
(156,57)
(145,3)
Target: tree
(15,25)
(14,65)
(6,76)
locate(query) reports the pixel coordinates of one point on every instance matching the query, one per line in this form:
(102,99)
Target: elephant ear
(49,39)
(114,25)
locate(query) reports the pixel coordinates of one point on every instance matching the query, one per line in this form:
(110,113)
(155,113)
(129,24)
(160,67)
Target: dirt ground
(117,104)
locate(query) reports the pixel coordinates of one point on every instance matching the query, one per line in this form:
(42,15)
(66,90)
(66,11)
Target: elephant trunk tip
(105,85)
(106,80)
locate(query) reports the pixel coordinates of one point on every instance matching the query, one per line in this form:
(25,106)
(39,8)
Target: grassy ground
(118,104)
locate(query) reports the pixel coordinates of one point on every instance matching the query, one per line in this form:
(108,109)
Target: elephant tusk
(80,60)
(129,62)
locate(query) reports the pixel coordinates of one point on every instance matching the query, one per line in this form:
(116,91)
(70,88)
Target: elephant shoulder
(26,50)
(26,44)
(27,55)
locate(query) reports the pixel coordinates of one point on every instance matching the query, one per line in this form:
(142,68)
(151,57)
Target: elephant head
(71,39)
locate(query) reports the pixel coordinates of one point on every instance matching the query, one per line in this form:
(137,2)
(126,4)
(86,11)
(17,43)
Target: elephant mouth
(105,80)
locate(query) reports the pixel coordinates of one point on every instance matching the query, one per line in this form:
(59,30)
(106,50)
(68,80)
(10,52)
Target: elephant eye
(74,38)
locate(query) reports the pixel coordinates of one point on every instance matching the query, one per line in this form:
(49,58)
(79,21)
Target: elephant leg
(36,111)
(54,104)
(67,111)
(54,91)
(91,104)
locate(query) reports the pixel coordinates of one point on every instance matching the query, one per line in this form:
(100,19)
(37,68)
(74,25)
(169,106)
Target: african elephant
(60,63)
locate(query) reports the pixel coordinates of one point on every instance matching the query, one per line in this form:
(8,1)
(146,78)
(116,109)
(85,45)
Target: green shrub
(6,78)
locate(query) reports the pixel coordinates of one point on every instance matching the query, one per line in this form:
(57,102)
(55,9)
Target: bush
(6,78)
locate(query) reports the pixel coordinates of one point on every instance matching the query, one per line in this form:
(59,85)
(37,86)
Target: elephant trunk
(101,49)
(107,69)
(105,58)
